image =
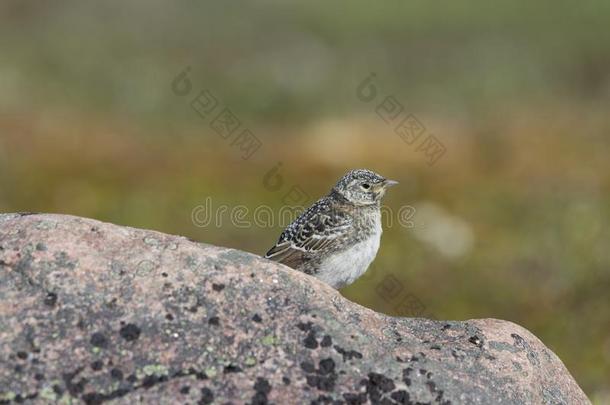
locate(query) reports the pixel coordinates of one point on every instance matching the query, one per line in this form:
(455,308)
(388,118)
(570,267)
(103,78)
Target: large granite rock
(92,312)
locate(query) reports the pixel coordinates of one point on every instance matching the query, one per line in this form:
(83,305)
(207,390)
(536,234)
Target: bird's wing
(318,228)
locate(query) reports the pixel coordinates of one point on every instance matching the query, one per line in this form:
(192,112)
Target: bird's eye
(366,186)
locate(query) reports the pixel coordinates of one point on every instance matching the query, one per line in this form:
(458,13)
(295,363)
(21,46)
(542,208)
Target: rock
(94,312)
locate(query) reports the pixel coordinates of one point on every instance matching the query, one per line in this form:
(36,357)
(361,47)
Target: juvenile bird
(338,237)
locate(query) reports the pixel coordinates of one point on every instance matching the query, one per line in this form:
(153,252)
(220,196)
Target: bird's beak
(389,183)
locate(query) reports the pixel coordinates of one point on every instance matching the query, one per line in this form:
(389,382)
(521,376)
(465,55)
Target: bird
(337,238)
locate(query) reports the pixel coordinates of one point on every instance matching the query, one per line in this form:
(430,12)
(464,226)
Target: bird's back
(318,231)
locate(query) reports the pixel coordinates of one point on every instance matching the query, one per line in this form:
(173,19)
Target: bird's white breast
(345,267)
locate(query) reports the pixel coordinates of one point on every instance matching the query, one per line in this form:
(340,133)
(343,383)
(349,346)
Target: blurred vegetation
(518,92)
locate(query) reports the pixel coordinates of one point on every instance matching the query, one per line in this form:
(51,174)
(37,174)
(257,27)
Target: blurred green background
(512,222)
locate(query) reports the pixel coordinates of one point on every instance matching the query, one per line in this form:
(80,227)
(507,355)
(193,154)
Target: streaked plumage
(337,238)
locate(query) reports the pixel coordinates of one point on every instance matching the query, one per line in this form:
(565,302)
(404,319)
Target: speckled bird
(337,238)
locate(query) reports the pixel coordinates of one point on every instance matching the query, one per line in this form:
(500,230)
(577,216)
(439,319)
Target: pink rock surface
(92,312)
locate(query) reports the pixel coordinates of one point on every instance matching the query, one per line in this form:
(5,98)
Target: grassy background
(511,223)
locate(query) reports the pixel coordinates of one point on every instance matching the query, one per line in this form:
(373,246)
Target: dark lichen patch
(81,324)
(305,326)
(41,247)
(116,374)
(522,344)
(200,375)
(519,341)
(323,383)
(57,389)
(231,368)
(422,377)
(130,332)
(74,387)
(193,308)
(218,287)
(324,399)
(93,398)
(97,365)
(324,377)
(152,380)
(184,390)
(475,340)
(326,366)
(347,354)
(310,341)
(327,341)
(377,387)
(98,339)
(262,388)
(148,382)
(207,396)
(434,390)
(406,375)
(19,398)
(401,397)
(308,367)
(381,382)
(354,398)
(262,385)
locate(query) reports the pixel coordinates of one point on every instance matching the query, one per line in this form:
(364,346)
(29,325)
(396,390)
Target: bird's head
(363,187)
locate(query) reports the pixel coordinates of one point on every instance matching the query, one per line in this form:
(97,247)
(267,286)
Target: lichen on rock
(93,312)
